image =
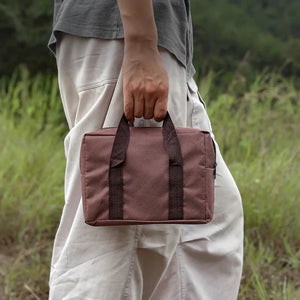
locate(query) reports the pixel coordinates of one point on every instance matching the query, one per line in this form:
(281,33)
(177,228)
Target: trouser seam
(126,288)
(181,272)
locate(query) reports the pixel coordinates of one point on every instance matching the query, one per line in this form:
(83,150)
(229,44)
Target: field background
(247,57)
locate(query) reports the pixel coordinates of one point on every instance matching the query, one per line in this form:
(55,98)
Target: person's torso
(94,18)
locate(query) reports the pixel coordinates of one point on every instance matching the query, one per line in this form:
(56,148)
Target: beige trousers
(135,262)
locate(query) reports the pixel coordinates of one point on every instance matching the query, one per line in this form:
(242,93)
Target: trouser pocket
(197,108)
(201,100)
(193,89)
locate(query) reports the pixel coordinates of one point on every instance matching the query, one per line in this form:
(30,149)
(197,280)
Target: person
(135,57)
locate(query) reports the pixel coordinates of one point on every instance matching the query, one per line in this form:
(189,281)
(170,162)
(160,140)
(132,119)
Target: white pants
(135,262)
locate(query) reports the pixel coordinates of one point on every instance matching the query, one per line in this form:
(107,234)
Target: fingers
(138,107)
(128,105)
(153,106)
(160,109)
(145,84)
(161,105)
(145,90)
(150,100)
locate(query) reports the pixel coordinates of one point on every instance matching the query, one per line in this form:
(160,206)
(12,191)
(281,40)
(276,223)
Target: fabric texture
(142,175)
(137,262)
(101,19)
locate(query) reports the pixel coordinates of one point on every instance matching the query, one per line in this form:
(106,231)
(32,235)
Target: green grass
(31,182)
(257,129)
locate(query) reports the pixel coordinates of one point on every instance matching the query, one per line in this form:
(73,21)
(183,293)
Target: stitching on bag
(85,170)
(205,176)
(205,153)
(205,211)
(206,179)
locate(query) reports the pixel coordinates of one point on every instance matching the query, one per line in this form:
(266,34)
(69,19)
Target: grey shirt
(101,19)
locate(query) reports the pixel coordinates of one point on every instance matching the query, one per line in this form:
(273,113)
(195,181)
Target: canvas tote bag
(146,175)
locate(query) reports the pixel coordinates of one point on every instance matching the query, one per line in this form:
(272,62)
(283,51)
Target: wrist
(140,41)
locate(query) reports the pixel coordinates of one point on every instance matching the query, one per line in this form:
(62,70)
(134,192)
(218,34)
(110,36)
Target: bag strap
(117,160)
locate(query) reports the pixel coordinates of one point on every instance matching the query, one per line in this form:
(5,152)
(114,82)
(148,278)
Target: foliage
(25,28)
(264,34)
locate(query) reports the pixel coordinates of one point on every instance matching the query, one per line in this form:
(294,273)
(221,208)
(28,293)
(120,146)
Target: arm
(145,80)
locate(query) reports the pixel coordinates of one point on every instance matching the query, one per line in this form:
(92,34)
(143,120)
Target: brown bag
(146,175)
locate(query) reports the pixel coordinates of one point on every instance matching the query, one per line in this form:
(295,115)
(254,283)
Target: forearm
(138,21)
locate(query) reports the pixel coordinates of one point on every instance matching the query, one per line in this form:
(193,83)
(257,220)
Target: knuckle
(131,86)
(127,86)
(138,86)
(148,116)
(128,116)
(161,111)
(164,88)
(160,115)
(150,90)
(127,107)
(150,102)
(138,114)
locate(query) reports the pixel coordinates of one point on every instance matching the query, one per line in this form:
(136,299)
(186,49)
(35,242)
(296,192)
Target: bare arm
(145,80)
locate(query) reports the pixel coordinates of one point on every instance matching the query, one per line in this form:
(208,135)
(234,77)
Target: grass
(31,183)
(257,127)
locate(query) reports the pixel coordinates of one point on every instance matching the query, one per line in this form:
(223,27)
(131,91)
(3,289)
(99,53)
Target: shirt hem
(105,33)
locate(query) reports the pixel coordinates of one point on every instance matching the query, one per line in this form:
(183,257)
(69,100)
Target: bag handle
(117,160)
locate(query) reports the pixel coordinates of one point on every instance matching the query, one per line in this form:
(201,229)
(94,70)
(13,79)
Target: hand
(145,82)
